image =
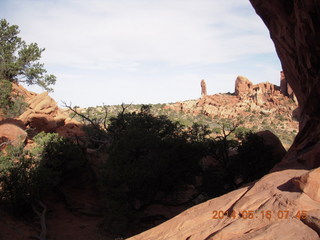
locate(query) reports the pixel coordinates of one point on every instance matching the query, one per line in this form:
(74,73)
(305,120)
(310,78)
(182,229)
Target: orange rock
(11,131)
(71,129)
(309,183)
(266,209)
(242,86)
(42,122)
(43,103)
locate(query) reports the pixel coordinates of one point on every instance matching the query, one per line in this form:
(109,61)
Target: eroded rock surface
(279,211)
(43,114)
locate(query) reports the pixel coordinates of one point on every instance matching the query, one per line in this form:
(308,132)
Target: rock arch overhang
(294,27)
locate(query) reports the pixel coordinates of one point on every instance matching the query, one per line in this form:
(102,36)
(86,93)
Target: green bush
(56,157)
(10,104)
(148,155)
(18,179)
(254,158)
(26,174)
(240,132)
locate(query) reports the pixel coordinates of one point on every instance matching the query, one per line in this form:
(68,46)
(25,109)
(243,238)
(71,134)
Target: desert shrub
(240,132)
(56,157)
(5,94)
(254,158)
(148,155)
(214,181)
(18,179)
(25,175)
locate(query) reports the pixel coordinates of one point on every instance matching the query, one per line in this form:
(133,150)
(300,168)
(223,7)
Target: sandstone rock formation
(294,28)
(256,106)
(43,114)
(272,208)
(242,86)
(260,93)
(12,132)
(285,88)
(203,88)
(309,183)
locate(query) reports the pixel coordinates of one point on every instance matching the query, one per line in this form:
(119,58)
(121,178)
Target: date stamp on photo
(249,214)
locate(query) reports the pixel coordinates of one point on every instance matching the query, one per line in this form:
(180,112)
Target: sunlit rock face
(295,30)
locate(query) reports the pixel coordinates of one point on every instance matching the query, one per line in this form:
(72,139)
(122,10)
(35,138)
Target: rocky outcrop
(40,113)
(256,106)
(43,114)
(309,184)
(203,88)
(272,208)
(242,86)
(259,93)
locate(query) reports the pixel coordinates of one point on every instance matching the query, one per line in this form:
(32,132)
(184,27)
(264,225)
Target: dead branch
(42,219)
(74,110)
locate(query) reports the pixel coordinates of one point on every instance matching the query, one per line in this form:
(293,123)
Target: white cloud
(132,37)
(103,34)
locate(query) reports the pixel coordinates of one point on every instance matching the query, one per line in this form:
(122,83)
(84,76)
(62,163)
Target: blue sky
(145,51)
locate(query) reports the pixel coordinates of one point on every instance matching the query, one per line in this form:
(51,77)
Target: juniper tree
(19,62)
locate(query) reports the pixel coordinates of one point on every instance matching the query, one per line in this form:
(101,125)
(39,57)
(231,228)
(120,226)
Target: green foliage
(26,174)
(56,157)
(5,94)
(254,158)
(198,132)
(280,117)
(18,179)
(240,132)
(10,105)
(149,154)
(19,62)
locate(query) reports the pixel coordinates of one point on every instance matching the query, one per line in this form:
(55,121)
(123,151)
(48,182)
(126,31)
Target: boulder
(271,140)
(43,103)
(309,183)
(12,131)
